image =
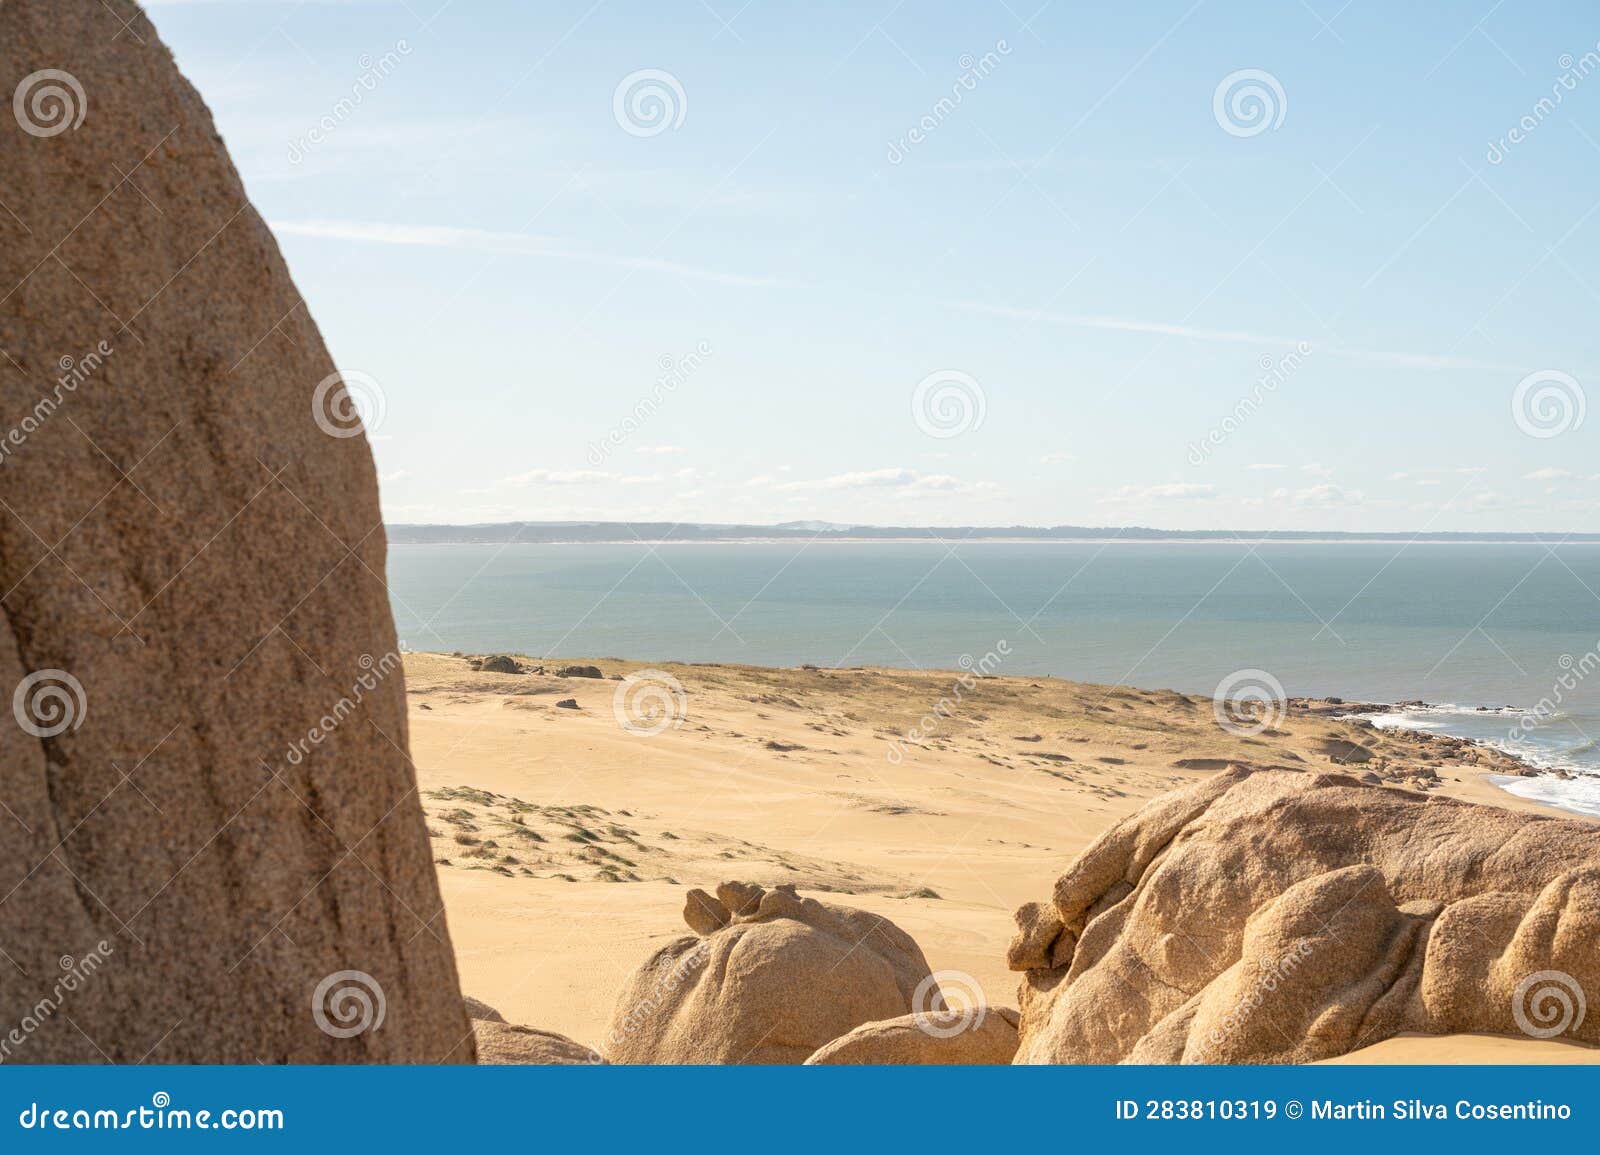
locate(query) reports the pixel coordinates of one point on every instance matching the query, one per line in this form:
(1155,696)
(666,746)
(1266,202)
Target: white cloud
(1056,459)
(898,482)
(1549,474)
(1266,465)
(1320,496)
(1404,360)
(568,478)
(1316,470)
(1169,491)
(485,240)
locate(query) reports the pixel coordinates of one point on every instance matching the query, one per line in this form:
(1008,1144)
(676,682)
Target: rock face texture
(205,784)
(478,1009)
(953,1038)
(502,1044)
(1276,917)
(769,977)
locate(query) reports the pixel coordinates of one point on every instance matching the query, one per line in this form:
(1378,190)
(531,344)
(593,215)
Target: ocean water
(1502,640)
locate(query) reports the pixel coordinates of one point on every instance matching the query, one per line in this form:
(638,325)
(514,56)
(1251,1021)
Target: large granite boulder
(213,849)
(1275,917)
(971,1037)
(502,1044)
(768,977)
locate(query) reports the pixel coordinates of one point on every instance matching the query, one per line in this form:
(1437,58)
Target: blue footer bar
(790,1108)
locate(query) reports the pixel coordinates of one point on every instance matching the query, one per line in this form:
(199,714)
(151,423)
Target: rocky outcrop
(981,1036)
(477,1009)
(211,825)
(502,1044)
(1287,917)
(768,977)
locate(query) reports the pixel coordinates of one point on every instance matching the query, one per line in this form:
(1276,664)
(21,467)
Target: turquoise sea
(1502,640)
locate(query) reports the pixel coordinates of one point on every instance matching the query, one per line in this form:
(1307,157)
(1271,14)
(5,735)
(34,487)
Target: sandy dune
(565,842)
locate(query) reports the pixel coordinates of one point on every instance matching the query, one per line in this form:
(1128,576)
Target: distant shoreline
(656,532)
(964,539)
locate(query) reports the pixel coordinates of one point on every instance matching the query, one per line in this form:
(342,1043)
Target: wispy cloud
(899,482)
(1397,359)
(1320,496)
(1169,491)
(488,240)
(549,477)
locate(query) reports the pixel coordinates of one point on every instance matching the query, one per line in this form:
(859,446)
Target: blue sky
(1054,302)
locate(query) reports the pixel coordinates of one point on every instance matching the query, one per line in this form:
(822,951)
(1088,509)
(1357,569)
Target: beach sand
(565,842)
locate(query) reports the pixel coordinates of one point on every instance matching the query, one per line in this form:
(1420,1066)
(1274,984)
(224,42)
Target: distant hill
(631,531)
